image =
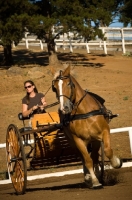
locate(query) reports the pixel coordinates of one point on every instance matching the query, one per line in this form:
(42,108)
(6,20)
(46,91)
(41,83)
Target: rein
(77,103)
(68,118)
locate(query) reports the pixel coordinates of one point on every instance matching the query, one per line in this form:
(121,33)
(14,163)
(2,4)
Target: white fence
(116,130)
(117,38)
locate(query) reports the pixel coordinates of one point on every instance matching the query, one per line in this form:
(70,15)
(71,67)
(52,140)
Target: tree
(81,17)
(14,17)
(49,19)
(126,12)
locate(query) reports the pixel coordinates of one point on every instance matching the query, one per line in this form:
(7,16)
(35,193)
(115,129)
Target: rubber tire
(16,160)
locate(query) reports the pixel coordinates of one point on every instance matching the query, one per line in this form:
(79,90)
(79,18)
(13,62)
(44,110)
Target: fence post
(26,43)
(13,44)
(100,45)
(71,50)
(123,41)
(87,47)
(130,137)
(104,42)
(55,47)
(64,44)
(41,45)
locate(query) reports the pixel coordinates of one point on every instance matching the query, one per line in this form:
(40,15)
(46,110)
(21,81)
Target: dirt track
(108,76)
(72,187)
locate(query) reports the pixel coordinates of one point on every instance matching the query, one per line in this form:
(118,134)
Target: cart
(42,145)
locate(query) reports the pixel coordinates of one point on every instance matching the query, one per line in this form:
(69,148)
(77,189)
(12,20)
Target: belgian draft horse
(83,120)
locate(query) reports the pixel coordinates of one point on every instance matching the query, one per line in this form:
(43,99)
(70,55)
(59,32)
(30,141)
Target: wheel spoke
(16,161)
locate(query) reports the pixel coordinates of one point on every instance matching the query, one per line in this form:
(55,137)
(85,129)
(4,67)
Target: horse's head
(64,88)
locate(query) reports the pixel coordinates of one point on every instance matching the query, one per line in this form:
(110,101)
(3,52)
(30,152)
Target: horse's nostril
(66,108)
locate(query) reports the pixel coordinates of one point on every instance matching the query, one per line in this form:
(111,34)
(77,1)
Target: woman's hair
(35,89)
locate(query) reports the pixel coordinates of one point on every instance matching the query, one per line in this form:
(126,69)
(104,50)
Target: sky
(116,24)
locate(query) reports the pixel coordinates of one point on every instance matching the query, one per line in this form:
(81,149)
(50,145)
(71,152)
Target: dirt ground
(108,76)
(72,187)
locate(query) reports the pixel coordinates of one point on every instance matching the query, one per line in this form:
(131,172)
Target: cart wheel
(16,161)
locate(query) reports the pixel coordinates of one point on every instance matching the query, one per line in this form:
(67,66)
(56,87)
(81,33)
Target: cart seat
(24,129)
(20,116)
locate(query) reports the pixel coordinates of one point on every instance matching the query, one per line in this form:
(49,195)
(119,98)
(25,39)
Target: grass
(125,98)
(127,54)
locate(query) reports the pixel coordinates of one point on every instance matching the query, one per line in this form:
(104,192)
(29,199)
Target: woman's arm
(26,112)
(43,100)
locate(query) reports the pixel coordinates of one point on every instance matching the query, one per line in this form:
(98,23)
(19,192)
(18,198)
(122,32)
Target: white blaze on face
(60,83)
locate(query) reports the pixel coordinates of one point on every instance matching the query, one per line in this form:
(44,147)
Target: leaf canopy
(14,17)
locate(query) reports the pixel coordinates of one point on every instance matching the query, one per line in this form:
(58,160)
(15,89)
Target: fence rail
(115,38)
(116,130)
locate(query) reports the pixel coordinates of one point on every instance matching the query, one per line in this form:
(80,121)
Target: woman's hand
(41,107)
(43,101)
(35,107)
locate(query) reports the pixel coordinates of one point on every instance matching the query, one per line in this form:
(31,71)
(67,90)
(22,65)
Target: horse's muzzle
(67,107)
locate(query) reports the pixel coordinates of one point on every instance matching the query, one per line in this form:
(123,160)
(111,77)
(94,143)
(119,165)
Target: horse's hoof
(88,184)
(120,165)
(116,162)
(97,186)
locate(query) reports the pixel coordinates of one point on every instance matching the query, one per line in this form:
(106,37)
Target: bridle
(71,84)
(74,105)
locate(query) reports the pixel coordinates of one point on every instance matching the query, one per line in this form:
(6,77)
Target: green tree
(14,17)
(82,17)
(126,12)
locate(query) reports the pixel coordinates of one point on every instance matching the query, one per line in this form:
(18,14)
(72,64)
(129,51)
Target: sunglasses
(29,86)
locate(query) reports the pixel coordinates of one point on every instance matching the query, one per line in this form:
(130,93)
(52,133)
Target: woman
(33,102)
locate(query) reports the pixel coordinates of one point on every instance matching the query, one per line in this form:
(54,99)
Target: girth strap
(86,115)
(69,118)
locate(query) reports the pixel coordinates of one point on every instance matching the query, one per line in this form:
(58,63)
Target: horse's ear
(52,69)
(67,71)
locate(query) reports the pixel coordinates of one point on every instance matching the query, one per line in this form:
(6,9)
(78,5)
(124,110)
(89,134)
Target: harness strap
(69,118)
(86,115)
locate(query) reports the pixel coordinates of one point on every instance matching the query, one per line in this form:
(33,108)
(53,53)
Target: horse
(85,120)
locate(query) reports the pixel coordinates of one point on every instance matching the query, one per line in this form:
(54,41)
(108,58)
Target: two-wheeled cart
(42,145)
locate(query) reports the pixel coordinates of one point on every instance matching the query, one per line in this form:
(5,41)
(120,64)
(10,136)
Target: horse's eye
(53,88)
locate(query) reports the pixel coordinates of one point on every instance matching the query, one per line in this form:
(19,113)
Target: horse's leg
(93,149)
(115,161)
(87,176)
(95,156)
(87,161)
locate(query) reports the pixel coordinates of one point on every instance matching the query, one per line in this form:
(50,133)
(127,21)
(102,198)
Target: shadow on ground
(29,57)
